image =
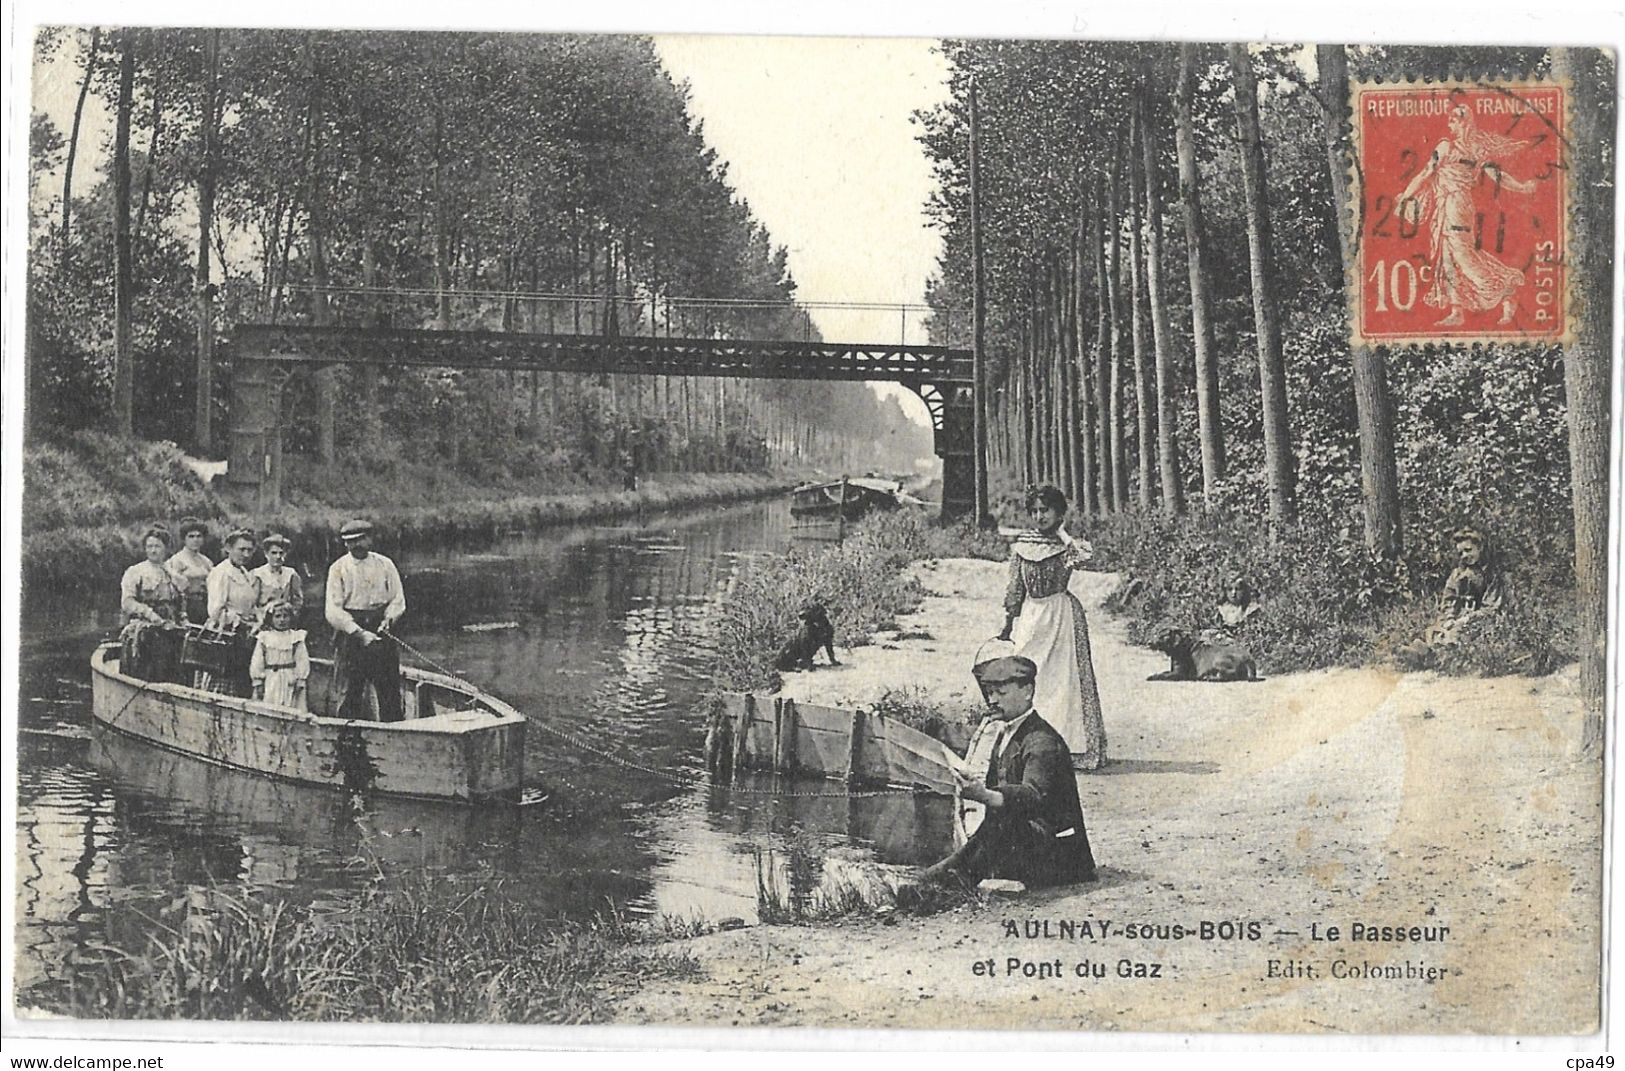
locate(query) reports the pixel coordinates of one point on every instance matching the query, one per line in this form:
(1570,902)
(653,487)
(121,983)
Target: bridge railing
(557,312)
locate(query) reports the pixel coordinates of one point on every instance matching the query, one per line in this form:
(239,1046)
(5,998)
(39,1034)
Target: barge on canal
(455,742)
(840,502)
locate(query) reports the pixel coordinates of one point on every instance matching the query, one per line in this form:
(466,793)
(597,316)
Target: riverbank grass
(88,497)
(1325,601)
(861,582)
(439,951)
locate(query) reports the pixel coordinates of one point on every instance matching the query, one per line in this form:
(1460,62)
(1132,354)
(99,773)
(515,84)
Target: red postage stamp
(1463,213)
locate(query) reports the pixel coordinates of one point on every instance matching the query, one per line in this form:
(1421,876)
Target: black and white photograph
(1048,531)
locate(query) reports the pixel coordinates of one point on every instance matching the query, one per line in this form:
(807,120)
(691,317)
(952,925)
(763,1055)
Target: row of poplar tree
(383,177)
(1165,232)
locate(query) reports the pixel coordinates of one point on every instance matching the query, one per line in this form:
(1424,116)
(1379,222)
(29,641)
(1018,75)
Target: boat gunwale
(504,714)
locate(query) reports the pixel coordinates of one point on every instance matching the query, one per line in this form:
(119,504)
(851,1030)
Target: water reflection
(610,629)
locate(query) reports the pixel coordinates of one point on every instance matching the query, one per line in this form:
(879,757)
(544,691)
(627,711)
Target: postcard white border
(266,1045)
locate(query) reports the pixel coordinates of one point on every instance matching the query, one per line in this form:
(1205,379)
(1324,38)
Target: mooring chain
(675,777)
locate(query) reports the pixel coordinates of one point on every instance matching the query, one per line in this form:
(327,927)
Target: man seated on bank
(364,598)
(1034,830)
(278,582)
(234,599)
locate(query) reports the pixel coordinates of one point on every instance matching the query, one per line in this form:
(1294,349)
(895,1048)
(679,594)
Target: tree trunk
(1145,432)
(1100,226)
(1208,421)
(157,124)
(442,222)
(1260,247)
(123,310)
(1374,407)
(1058,361)
(366,376)
(1173,488)
(1088,498)
(204,291)
(326,377)
(1593,79)
(73,138)
(1114,388)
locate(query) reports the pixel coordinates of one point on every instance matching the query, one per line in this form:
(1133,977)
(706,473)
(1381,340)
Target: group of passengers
(232,629)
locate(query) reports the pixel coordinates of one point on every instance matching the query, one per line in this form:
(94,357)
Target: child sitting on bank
(281,663)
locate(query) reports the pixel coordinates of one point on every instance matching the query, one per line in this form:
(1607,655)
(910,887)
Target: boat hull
(462,754)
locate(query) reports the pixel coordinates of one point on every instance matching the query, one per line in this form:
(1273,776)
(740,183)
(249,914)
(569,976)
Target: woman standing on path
(1047,624)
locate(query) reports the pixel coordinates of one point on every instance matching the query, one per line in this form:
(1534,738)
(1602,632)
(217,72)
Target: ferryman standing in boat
(364,598)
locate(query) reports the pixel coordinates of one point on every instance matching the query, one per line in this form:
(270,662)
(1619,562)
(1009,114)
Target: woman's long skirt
(1053,633)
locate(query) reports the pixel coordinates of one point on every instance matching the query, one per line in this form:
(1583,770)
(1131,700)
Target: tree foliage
(381,178)
(1480,433)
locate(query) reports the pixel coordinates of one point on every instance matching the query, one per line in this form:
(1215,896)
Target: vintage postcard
(1034,534)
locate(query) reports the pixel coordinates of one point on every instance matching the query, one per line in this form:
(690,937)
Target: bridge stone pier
(266,356)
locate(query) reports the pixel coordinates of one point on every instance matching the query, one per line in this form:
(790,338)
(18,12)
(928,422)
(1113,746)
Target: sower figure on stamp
(1033,831)
(1465,275)
(364,598)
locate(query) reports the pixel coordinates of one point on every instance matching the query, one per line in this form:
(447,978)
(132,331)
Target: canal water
(602,631)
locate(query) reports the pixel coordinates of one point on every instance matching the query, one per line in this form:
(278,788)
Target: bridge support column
(254,438)
(956,445)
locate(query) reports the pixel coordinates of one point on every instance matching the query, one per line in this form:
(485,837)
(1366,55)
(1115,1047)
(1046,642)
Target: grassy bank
(88,498)
(859,581)
(441,951)
(1325,601)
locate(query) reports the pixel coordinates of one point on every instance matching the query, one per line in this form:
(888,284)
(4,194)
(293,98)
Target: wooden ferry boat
(455,742)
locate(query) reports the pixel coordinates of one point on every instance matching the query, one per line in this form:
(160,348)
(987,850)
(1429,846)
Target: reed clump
(860,582)
(441,950)
(796,885)
(951,723)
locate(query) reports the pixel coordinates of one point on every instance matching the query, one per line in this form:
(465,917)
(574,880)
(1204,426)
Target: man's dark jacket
(1033,771)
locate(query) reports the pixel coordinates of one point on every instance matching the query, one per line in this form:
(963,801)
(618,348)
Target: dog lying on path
(1192,658)
(814,632)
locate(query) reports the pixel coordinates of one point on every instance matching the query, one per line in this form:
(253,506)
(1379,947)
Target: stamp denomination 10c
(1463,213)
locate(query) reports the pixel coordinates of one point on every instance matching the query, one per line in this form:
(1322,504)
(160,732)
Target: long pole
(978,318)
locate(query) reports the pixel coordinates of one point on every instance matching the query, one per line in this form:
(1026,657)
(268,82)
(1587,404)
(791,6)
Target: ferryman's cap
(355,529)
(1005,670)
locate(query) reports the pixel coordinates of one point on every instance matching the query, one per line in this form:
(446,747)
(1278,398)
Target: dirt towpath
(1235,827)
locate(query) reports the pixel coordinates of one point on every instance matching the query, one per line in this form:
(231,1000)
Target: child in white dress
(281,663)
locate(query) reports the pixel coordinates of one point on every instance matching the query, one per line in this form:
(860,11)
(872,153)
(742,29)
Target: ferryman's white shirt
(370,583)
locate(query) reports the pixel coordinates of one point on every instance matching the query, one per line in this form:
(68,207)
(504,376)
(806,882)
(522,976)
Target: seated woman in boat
(191,567)
(234,599)
(280,666)
(278,581)
(151,602)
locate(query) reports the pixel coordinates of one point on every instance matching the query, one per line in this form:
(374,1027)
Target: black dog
(815,632)
(1192,658)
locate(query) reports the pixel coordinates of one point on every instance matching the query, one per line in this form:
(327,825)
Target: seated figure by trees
(1474,590)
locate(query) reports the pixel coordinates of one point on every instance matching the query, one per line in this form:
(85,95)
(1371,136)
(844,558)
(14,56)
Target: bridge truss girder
(265,356)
